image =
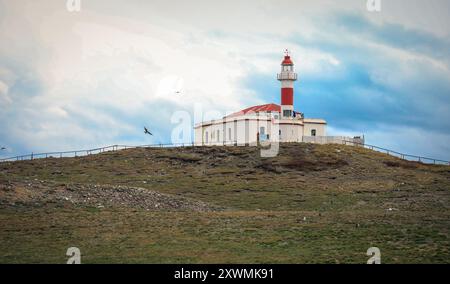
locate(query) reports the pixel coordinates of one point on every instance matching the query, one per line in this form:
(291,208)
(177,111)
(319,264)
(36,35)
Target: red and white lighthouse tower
(287,77)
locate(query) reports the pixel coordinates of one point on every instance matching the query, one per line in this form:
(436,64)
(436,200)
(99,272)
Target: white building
(269,122)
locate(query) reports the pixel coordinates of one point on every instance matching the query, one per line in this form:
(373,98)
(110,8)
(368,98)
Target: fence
(79,153)
(331,139)
(402,156)
(320,140)
(357,141)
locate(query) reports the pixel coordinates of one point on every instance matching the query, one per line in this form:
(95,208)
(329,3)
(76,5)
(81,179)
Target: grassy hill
(310,204)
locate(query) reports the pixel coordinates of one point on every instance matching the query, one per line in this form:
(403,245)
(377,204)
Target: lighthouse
(268,122)
(287,77)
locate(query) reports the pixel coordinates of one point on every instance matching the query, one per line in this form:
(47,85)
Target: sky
(82,79)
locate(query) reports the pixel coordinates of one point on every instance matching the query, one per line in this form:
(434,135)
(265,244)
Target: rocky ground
(39,193)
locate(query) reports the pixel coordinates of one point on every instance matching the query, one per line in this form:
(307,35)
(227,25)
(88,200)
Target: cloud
(381,87)
(76,80)
(396,36)
(4,98)
(105,79)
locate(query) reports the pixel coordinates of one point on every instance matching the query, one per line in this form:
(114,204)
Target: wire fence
(402,156)
(88,152)
(113,148)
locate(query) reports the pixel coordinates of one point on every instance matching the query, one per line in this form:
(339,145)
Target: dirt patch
(401,164)
(310,165)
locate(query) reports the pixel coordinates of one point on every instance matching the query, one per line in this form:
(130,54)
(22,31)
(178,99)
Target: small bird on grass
(147,132)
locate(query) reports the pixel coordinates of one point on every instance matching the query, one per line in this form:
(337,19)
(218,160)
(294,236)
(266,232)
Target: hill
(310,204)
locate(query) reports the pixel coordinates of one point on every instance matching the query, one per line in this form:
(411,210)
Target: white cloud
(57,111)
(4,98)
(116,64)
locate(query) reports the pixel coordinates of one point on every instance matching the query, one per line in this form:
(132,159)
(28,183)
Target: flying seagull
(147,132)
(3,148)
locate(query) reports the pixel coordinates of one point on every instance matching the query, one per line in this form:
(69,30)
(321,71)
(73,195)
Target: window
(313,132)
(287,113)
(287,68)
(262,134)
(279,132)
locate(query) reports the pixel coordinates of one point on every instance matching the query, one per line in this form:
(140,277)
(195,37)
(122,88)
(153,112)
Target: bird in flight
(147,132)
(3,148)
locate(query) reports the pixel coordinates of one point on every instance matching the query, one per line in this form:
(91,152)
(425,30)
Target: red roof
(255,109)
(287,60)
(260,108)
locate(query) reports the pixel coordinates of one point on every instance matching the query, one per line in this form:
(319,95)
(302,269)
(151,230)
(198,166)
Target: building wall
(245,131)
(240,130)
(319,127)
(216,134)
(229,133)
(291,132)
(268,126)
(198,135)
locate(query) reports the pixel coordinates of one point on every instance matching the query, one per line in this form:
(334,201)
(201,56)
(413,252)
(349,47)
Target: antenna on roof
(286,52)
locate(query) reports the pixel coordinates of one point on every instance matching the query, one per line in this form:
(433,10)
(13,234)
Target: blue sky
(95,77)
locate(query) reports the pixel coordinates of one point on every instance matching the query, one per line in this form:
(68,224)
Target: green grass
(110,236)
(344,192)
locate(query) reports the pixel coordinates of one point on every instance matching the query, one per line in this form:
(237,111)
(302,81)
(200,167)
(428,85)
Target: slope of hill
(311,203)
